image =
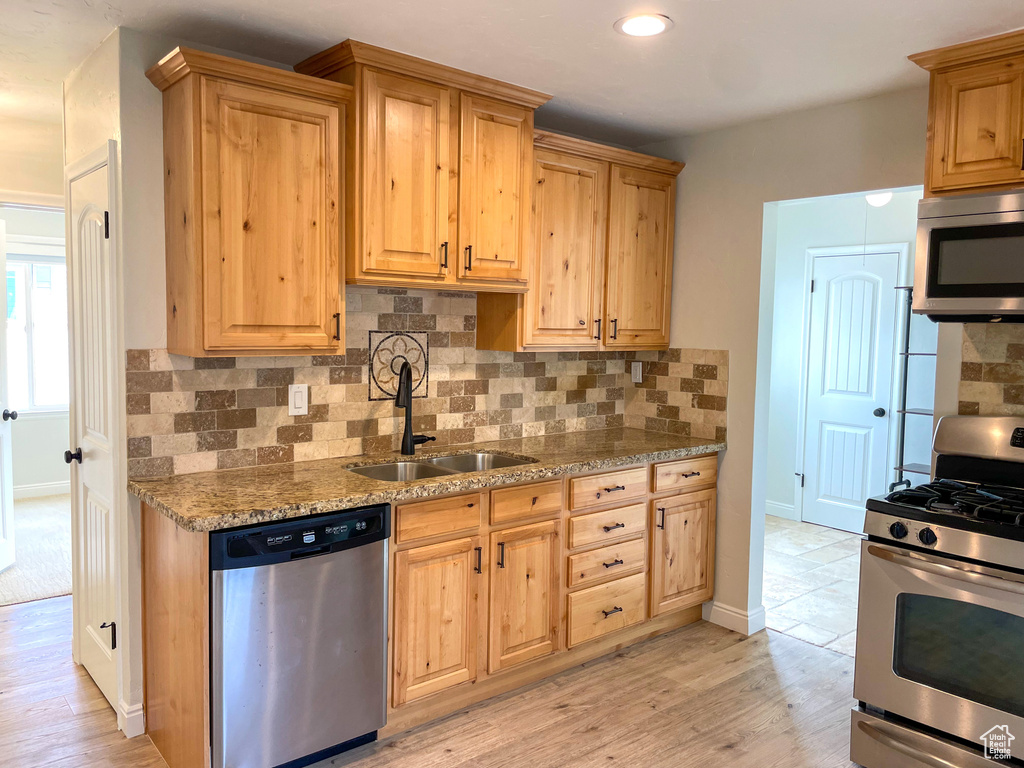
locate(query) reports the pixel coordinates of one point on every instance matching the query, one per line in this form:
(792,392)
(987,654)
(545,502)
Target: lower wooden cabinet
(682,551)
(434,638)
(599,610)
(525,580)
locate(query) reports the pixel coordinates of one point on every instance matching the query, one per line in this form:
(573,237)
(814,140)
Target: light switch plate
(637,372)
(298,399)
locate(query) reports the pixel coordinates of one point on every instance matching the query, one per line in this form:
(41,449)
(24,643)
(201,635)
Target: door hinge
(812,286)
(106,225)
(802,479)
(112,626)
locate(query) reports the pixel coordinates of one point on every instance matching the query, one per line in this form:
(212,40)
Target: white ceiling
(726,61)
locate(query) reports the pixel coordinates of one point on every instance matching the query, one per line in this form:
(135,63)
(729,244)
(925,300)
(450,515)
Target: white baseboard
(744,622)
(35,490)
(781,510)
(131,719)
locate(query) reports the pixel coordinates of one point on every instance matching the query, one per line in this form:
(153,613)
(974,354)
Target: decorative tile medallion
(388,350)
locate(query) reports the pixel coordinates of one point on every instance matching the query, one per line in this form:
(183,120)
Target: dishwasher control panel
(300,538)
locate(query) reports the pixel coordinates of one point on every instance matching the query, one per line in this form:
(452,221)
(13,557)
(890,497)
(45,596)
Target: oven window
(976,261)
(966,650)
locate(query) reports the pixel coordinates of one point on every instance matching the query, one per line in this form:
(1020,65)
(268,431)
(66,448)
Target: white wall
(874,143)
(30,157)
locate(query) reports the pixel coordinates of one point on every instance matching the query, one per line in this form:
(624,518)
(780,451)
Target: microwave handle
(1007,583)
(882,735)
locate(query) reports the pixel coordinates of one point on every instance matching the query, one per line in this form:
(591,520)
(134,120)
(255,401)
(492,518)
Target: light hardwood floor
(701,696)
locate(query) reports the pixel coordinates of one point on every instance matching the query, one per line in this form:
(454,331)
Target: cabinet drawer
(598,564)
(595,490)
(437,517)
(608,525)
(688,473)
(526,501)
(599,610)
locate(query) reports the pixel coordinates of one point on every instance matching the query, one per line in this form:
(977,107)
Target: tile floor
(811,578)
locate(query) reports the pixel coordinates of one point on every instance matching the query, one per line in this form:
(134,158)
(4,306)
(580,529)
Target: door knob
(76,456)
(879,412)
(10,415)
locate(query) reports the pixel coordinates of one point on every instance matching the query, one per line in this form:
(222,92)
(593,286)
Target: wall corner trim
(744,622)
(131,719)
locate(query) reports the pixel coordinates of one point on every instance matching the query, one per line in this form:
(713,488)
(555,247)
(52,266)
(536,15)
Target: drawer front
(438,517)
(606,562)
(526,501)
(609,525)
(688,473)
(596,490)
(599,610)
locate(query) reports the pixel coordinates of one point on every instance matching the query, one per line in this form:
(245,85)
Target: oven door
(970,265)
(940,642)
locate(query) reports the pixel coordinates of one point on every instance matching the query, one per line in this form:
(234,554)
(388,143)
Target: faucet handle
(421,439)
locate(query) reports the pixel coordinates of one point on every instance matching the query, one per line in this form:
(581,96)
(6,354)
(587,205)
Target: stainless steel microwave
(970,258)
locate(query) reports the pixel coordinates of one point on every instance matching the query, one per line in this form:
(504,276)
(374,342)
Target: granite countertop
(209,501)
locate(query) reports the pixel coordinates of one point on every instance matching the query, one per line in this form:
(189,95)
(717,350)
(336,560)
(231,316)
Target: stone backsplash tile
(992,371)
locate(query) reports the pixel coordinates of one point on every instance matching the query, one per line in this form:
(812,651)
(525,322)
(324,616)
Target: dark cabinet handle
(112,626)
(613,563)
(469,258)
(444,258)
(598,334)
(615,328)
(479,560)
(76,456)
(691,474)
(662,523)
(337,326)
(501,554)
(1022,157)
(612,612)
(610,528)
(10,415)
(615,488)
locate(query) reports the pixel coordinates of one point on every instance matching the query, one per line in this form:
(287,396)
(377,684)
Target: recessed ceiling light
(643,25)
(878,199)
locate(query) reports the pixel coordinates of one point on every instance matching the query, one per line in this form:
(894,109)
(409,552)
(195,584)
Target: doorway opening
(35,556)
(849,397)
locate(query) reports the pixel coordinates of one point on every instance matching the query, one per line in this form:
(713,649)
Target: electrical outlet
(298,399)
(637,372)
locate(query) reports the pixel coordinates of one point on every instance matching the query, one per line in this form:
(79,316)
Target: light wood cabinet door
(566,252)
(406,170)
(682,551)
(525,583)
(977,135)
(496,155)
(270,200)
(436,591)
(639,272)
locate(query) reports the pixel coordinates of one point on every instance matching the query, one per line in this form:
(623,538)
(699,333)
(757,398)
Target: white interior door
(6,480)
(849,386)
(94,417)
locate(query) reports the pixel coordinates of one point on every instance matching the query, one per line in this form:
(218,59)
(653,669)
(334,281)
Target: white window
(37,324)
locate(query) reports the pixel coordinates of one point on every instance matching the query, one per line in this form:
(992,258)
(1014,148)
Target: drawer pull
(479,560)
(534,502)
(501,554)
(615,488)
(613,563)
(691,474)
(612,612)
(662,523)
(610,528)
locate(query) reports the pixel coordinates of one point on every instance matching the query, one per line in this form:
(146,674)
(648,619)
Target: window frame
(45,250)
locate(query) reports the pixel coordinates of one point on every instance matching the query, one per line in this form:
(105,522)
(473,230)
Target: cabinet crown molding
(185,61)
(971,52)
(328,62)
(570,144)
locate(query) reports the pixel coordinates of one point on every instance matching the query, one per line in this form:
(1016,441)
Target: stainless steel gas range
(940,629)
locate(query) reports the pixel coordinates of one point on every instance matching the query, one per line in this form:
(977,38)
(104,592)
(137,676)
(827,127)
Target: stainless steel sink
(476,462)
(401,471)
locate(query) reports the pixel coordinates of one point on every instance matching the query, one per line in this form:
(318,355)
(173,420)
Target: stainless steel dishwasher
(297,638)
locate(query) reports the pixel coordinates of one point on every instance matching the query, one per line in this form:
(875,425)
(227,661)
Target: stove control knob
(927,537)
(898,530)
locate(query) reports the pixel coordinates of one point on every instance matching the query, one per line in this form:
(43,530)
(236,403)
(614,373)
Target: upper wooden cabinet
(440,163)
(976,115)
(600,253)
(252,201)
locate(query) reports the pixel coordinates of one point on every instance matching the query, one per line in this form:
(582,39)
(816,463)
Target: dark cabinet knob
(879,412)
(76,456)
(10,415)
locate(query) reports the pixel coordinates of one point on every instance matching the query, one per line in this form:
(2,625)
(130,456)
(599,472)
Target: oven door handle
(1007,583)
(892,741)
